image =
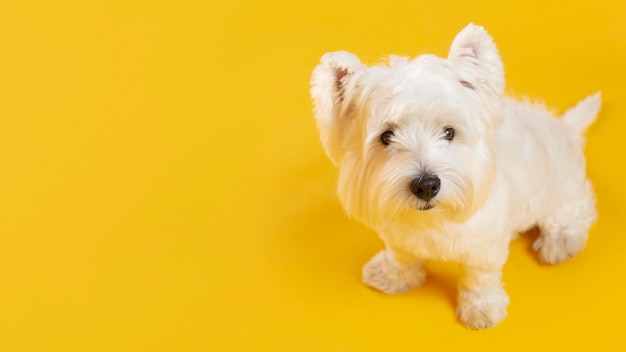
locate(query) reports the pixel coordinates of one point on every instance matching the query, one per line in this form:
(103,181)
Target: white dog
(443,166)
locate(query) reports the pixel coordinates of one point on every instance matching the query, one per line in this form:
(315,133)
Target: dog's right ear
(333,87)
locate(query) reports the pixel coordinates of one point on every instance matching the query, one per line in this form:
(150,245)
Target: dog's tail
(584,113)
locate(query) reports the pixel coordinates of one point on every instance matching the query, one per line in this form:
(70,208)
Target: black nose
(426,187)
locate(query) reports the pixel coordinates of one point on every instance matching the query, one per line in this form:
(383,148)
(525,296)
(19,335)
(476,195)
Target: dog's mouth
(427,206)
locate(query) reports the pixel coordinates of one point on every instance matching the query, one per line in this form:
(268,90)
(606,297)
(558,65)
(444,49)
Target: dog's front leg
(482,301)
(392,271)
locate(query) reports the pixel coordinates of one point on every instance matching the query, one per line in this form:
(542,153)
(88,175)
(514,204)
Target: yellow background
(163,187)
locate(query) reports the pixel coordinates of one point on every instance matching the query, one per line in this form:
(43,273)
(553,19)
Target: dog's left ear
(474,53)
(334,84)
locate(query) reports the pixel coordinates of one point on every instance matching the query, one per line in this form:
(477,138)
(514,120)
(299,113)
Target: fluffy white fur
(504,167)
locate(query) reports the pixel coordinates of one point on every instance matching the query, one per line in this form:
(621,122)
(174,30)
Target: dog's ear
(474,53)
(333,87)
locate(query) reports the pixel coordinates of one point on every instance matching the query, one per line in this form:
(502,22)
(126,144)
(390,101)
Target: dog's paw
(383,273)
(557,249)
(482,310)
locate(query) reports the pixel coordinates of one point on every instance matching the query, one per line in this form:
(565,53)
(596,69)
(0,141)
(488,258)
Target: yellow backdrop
(163,187)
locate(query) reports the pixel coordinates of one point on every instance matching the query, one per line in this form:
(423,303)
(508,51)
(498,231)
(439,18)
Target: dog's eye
(448,133)
(386,137)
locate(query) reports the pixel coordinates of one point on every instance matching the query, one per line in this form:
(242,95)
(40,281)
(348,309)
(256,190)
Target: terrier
(435,158)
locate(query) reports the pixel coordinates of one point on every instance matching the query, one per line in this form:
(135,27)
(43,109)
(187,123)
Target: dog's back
(541,163)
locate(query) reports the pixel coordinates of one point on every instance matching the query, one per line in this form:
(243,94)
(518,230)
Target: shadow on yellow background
(163,186)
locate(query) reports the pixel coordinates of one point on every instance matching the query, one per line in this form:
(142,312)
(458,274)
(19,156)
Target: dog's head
(414,137)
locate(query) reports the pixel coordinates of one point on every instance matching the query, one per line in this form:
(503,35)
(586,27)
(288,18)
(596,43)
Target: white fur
(511,166)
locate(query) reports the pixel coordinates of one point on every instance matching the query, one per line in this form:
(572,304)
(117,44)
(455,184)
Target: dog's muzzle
(425,187)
